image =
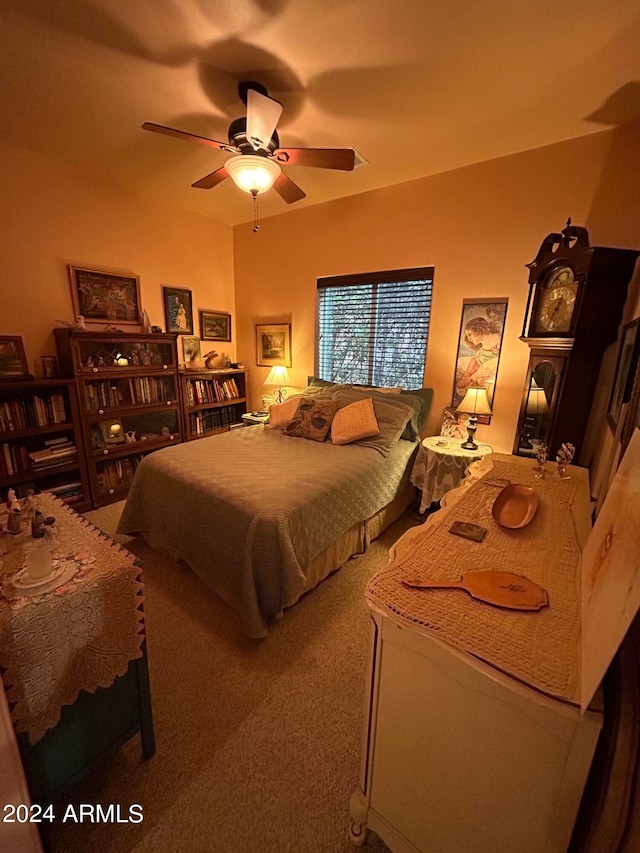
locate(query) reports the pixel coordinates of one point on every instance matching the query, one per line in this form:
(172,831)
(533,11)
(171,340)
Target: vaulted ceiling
(417,87)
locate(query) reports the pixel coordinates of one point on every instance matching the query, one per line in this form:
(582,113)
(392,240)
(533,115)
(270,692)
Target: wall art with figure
(479,344)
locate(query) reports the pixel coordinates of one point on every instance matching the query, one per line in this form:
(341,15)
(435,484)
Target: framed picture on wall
(273,345)
(178,310)
(105,296)
(479,344)
(13,361)
(191,350)
(215,325)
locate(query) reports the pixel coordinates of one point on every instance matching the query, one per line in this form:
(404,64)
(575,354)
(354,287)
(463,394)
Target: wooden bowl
(515,506)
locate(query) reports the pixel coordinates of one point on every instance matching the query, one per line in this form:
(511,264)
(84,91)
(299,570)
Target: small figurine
(563,459)
(79,324)
(37,525)
(209,357)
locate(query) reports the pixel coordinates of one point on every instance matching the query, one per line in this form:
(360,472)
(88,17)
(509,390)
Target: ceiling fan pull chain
(256,225)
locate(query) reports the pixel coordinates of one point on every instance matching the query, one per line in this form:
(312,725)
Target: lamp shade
(537,401)
(252,173)
(277,376)
(475,402)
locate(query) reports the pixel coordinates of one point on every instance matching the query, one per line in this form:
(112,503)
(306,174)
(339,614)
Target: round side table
(440,466)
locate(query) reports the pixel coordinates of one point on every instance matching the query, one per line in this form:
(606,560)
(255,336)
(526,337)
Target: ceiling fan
(254,141)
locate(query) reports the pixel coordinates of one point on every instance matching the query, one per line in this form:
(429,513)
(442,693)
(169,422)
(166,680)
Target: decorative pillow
(281,413)
(353,422)
(312,418)
(391,414)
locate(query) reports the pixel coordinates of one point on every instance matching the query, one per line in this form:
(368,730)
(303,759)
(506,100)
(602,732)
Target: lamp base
(470,444)
(280,395)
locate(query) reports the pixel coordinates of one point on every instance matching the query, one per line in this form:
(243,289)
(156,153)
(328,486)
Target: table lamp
(278,376)
(474,403)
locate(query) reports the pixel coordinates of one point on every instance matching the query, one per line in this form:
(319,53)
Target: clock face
(556,302)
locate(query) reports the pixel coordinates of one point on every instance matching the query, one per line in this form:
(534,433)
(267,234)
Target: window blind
(373,328)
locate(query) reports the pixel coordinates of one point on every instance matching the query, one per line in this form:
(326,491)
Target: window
(373,327)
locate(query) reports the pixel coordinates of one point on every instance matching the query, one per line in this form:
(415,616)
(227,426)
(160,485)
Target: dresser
(474,739)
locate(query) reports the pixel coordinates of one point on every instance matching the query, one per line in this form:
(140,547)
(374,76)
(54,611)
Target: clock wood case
(576,298)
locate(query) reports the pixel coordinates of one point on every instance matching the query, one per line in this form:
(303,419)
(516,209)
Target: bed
(262,516)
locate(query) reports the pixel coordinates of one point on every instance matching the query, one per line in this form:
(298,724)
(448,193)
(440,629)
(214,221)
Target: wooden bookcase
(129,400)
(39,429)
(213,400)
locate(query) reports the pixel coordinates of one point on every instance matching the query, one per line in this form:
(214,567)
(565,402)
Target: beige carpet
(258,741)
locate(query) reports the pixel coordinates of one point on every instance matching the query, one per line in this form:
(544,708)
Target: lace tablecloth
(541,649)
(77,632)
(441,465)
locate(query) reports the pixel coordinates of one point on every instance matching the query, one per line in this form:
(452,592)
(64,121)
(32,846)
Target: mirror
(536,418)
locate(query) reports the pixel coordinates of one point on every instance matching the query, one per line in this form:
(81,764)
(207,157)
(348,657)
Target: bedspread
(249,509)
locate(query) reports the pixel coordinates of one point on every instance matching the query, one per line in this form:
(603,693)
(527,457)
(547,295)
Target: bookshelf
(40,441)
(213,400)
(129,402)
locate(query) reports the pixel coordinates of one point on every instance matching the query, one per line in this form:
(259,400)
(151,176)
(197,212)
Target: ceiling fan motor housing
(238,138)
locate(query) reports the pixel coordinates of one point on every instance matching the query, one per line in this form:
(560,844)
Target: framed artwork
(454,424)
(102,295)
(479,344)
(273,345)
(625,371)
(112,432)
(178,310)
(214,325)
(13,362)
(49,366)
(191,350)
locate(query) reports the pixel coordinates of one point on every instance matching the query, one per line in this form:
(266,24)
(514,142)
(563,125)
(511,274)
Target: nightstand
(255,418)
(440,466)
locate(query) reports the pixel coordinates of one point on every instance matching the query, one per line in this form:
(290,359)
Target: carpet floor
(258,741)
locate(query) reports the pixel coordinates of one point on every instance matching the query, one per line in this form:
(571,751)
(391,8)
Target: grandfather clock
(576,298)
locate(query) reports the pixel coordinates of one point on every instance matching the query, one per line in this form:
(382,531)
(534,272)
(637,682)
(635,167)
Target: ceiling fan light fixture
(252,173)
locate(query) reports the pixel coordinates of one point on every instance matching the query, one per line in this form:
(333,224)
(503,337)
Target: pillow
(281,413)
(396,390)
(421,405)
(354,421)
(392,417)
(312,418)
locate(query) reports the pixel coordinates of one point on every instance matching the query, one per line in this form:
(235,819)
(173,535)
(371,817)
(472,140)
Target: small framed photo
(105,296)
(49,367)
(273,345)
(214,325)
(191,350)
(13,361)
(112,432)
(178,310)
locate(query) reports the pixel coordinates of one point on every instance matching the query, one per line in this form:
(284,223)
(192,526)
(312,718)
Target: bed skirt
(356,540)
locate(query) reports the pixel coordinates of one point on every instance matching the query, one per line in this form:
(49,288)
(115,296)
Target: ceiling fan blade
(322,158)
(287,189)
(263,114)
(212,179)
(191,137)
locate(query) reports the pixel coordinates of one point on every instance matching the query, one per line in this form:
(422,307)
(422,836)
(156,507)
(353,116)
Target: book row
(215,419)
(200,391)
(127,392)
(29,412)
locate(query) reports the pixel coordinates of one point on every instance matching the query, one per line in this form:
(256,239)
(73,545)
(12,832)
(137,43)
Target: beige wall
(52,216)
(478,226)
